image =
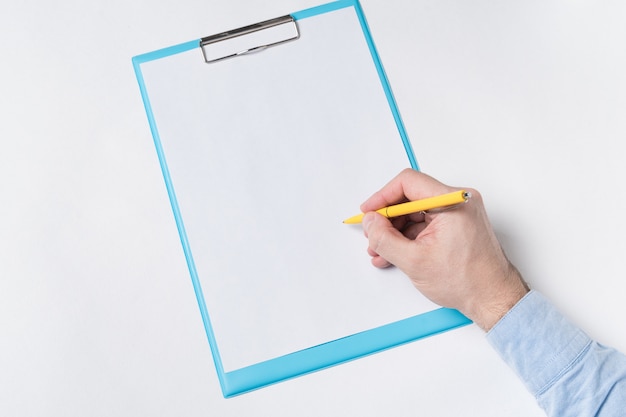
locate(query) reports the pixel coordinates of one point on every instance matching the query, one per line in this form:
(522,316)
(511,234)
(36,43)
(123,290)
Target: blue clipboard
(268,136)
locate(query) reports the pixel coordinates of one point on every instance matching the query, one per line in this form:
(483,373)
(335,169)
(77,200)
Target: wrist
(494,304)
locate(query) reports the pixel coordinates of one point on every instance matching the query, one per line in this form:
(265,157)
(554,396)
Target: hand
(453,257)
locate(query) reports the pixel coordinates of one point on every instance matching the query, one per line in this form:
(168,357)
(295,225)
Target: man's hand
(452,256)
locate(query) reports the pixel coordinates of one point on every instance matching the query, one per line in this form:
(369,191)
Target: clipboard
(268,136)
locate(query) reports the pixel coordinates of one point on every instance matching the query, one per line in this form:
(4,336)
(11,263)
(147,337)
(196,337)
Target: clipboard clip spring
(237,42)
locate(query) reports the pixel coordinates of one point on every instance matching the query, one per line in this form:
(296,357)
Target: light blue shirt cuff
(536,341)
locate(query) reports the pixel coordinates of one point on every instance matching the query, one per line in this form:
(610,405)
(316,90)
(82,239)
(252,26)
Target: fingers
(387,245)
(410,232)
(413,230)
(408,185)
(390,240)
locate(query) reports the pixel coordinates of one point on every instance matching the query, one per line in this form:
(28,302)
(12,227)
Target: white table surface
(523,100)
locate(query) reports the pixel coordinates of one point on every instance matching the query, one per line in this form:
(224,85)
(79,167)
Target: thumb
(385,240)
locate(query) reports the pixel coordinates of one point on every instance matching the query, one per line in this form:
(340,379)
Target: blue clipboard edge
(334,352)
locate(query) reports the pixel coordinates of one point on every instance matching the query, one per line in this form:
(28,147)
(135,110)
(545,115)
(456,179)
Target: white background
(523,100)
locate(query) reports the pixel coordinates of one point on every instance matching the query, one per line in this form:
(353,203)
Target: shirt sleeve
(568,373)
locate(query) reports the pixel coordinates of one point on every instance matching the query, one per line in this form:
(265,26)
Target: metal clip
(279,25)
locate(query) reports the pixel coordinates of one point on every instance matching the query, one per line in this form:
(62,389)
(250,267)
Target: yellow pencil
(431,203)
